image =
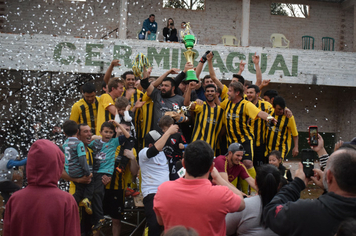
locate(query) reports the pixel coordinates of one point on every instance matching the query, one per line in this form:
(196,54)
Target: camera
(171,24)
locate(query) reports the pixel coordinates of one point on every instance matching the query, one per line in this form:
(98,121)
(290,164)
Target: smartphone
(313,135)
(307,160)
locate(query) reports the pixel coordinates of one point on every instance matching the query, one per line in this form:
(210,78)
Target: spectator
(230,166)
(149,27)
(183,26)
(7,162)
(249,221)
(52,211)
(170,32)
(193,201)
(323,215)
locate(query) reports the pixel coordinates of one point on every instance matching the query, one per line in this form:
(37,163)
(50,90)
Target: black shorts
(248,146)
(113,204)
(259,156)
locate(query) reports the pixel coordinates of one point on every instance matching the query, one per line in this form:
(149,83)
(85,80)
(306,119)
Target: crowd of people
(196,147)
(170,32)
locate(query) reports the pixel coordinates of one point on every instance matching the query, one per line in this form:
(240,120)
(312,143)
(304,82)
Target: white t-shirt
(154,171)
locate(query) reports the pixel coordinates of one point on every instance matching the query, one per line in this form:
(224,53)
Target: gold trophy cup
(189,41)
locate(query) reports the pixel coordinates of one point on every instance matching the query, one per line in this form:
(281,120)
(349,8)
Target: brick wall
(84,19)
(220,17)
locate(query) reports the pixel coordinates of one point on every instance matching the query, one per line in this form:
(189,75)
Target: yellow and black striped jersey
(103,114)
(259,125)
(146,115)
(237,116)
(120,180)
(208,123)
(279,136)
(84,113)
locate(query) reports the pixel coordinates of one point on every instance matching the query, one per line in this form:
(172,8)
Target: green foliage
(184,4)
(277,9)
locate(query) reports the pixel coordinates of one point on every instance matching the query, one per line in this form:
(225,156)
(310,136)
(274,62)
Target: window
(291,10)
(184,4)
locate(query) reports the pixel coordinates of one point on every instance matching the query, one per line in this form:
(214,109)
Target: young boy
(76,164)
(103,168)
(174,146)
(114,200)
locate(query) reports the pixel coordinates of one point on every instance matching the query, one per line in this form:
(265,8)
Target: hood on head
(45,162)
(10,153)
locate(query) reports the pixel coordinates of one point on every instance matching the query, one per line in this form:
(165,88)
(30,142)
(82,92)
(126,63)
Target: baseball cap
(152,136)
(234,147)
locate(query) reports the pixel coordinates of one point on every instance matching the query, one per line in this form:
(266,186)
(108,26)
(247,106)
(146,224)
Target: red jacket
(41,209)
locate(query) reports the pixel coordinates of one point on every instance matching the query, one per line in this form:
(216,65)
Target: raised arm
(199,68)
(160,79)
(212,71)
(133,163)
(241,68)
(191,86)
(108,72)
(256,61)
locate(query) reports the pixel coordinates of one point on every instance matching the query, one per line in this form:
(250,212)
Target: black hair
(70,128)
(271,93)
(342,165)
(268,178)
(80,126)
(255,87)
(88,88)
(277,154)
(206,77)
(198,158)
(239,77)
(210,86)
(278,100)
(152,15)
(127,73)
(107,125)
(103,84)
(173,83)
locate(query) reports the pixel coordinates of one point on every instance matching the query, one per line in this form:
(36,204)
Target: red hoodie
(41,209)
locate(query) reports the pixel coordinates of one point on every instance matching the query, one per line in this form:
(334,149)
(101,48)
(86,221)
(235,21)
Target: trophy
(139,63)
(189,41)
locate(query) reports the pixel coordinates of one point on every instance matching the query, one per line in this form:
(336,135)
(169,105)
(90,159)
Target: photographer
(170,32)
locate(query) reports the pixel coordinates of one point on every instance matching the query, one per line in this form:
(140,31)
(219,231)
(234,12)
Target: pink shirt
(196,204)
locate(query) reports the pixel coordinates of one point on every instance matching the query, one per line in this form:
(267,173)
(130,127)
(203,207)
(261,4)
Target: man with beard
(286,214)
(165,100)
(85,110)
(208,116)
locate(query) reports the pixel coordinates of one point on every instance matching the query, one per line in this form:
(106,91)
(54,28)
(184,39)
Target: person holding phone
(321,216)
(170,32)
